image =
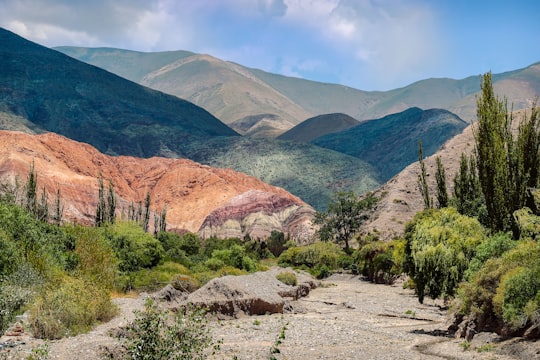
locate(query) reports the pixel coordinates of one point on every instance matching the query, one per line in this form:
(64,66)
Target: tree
(467,195)
(422,179)
(111,204)
(506,166)
(31,190)
(100,208)
(439,246)
(146,219)
(344,217)
(440,176)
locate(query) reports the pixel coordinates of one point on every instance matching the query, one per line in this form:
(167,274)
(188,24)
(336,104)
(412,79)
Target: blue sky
(366,44)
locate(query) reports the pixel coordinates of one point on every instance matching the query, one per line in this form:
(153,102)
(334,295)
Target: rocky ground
(345,318)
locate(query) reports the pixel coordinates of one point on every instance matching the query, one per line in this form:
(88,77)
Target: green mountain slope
(312,173)
(318,126)
(57,93)
(391,143)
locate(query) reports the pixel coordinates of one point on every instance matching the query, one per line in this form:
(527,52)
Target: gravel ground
(346,318)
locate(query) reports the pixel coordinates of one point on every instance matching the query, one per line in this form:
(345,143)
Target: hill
(227,90)
(318,126)
(54,92)
(198,198)
(308,171)
(391,143)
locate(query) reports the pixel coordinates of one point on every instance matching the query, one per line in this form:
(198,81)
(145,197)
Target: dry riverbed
(346,318)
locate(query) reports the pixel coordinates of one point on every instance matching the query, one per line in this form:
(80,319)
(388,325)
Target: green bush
(312,256)
(381,261)
(439,246)
(235,256)
(134,248)
(158,276)
(158,335)
(505,290)
(69,307)
(180,248)
(287,278)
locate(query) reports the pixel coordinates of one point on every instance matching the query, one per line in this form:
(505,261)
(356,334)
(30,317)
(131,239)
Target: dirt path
(347,318)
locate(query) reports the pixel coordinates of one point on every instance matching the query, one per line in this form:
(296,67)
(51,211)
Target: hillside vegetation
(389,144)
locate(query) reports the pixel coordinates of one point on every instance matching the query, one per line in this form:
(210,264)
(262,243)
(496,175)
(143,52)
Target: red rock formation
(198,198)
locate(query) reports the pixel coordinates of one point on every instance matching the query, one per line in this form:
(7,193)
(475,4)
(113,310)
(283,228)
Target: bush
(157,277)
(134,248)
(381,261)
(236,257)
(186,283)
(155,334)
(312,256)
(179,248)
(440,244)
(69,307)
(287,278)
(505,290)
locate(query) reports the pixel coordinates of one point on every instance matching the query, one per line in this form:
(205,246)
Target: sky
(365,44)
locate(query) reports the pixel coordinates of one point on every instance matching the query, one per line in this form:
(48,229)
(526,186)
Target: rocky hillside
(198,198)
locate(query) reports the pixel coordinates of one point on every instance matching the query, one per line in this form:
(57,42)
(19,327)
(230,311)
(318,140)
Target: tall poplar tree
(442,192)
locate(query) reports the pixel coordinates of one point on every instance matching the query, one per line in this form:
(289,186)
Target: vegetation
(344,217)
(287,278)
(439,246)
(422,179)
(380,261)
(319,258)
(157,334)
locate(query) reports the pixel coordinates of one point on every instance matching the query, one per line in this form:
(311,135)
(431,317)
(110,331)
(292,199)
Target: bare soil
(346,318)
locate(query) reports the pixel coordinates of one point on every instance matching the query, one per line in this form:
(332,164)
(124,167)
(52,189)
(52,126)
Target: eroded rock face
(243,295)
(191,192)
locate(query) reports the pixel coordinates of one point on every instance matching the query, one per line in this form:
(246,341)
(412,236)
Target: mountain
(54,92)
(227,90)
(318,126)
(391,143)
(198,198)
(291,100)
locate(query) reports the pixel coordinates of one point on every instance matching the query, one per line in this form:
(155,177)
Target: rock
(199,198)
(235,296)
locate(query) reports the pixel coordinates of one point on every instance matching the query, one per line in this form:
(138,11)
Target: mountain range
(233,92)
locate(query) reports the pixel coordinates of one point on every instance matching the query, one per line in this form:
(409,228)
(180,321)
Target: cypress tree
(31,190)
(146,219)
(442,192)
(101,209)
(422,178)
(111,204)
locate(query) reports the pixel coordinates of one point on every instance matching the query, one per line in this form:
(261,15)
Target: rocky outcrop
(191,192)
(236,296)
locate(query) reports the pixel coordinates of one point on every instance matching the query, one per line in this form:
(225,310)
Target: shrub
(287,278)
(157,277)
(69,307)
(236,257)
(506,290)
(311,256)
(186,283)
(440,244)
(381,261)
(134,248)
(155,334)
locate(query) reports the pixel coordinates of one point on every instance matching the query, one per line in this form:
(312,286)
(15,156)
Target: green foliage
(68,307)
(318,258)
(157,277)
(440,244)
(440,177)
(287,278)
(180,248)
(505,290)
(381,261)
(235,256)
(467,196)
(276,243)
(134,248)
(422,179)
(492,247)
(156,334)
(344,217)
(506,166)
(527,223)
